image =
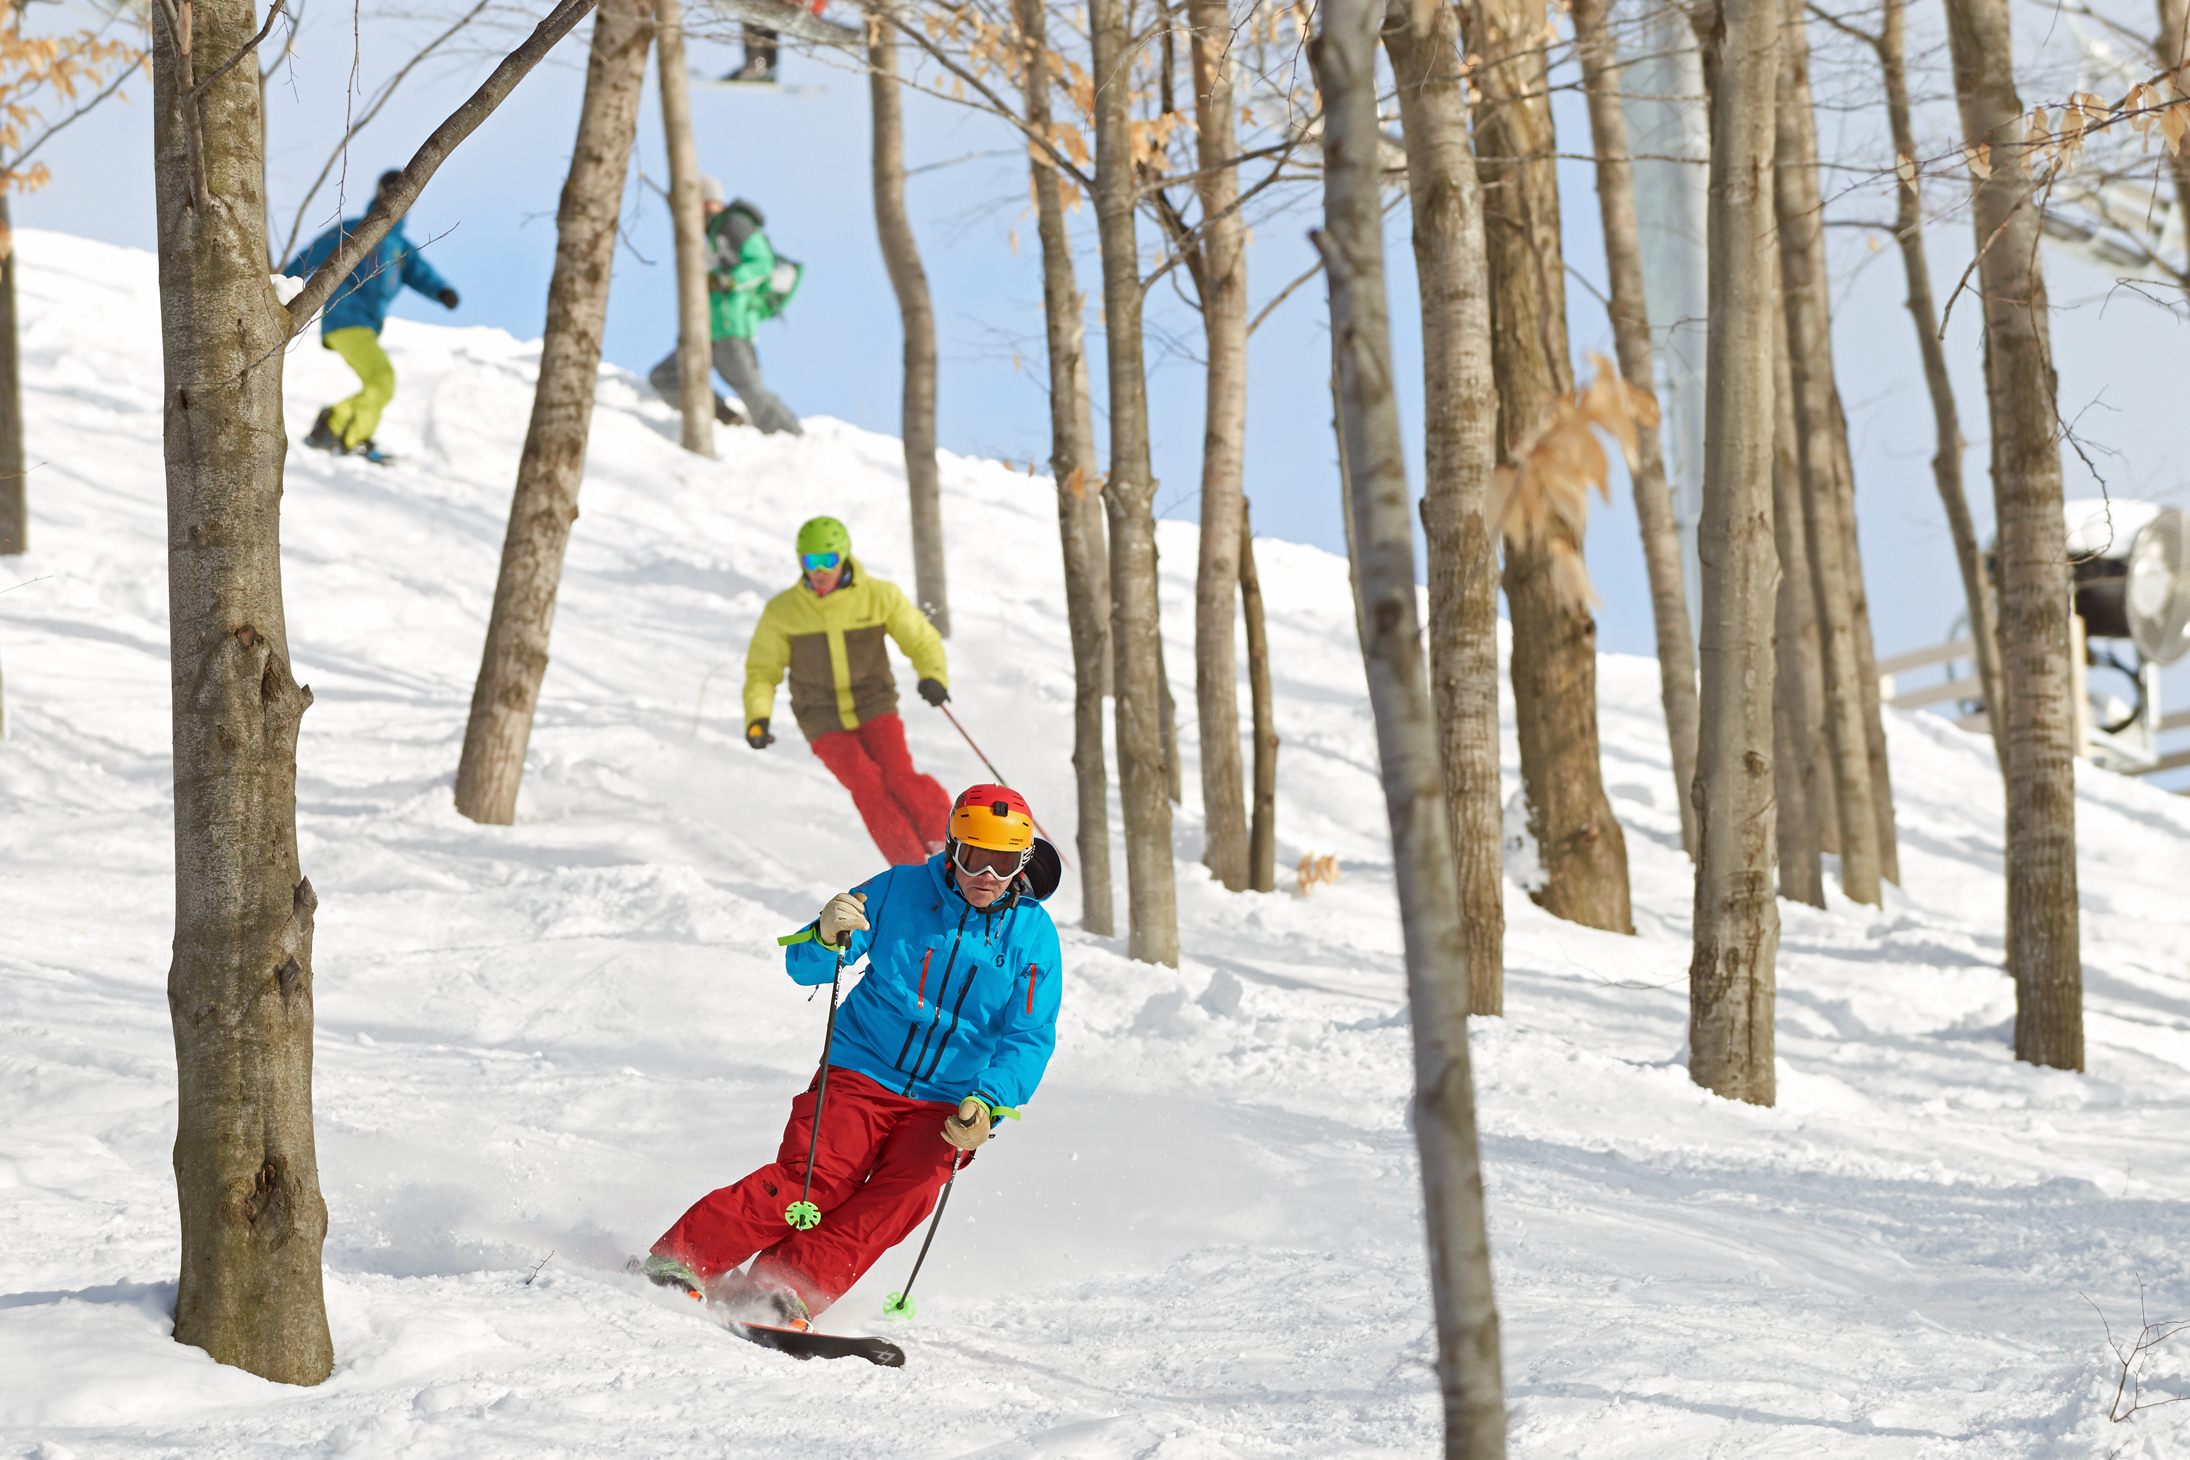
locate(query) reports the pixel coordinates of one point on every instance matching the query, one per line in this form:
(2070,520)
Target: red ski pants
(904,810)
(881,1161)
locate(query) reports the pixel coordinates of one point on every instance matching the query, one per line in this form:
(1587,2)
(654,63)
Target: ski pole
(899,1304)
(946,709)
(802,1214)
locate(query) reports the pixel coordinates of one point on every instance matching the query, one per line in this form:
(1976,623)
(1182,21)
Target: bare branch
(273,13)
(396,200)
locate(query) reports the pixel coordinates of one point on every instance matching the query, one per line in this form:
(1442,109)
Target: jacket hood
(1043,872)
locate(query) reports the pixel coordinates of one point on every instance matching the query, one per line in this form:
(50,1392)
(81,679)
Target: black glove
(447,297)
(757,736)
(933,692)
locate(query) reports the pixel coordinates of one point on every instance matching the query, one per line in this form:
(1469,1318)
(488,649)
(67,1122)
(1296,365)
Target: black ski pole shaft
(946,709)
(803,1214)
(901,1302)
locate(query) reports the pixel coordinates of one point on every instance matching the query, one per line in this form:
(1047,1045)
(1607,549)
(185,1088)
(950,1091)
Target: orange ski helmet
(995,818)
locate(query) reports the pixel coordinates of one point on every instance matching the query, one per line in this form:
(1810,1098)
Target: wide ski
(800,1344)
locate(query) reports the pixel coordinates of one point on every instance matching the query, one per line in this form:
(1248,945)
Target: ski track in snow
(544,1041)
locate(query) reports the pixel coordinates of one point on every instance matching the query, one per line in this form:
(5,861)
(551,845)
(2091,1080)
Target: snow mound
(537,1044)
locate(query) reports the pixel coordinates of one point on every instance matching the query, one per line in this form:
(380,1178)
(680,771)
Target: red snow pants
(904,810)
(881,1161)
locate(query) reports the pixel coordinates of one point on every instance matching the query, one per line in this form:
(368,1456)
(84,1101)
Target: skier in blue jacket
(950,1028)
(351,326)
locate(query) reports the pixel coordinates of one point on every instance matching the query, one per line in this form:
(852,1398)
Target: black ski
(802,1345)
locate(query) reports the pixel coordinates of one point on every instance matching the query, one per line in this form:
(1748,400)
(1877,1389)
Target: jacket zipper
(957,936)
(989,937)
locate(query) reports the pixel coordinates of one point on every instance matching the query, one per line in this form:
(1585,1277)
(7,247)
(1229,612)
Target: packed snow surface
(537,1044)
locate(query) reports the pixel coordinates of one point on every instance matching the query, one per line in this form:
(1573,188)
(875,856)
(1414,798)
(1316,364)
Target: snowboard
(803,1345)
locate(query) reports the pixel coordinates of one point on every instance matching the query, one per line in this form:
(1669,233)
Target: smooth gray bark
(1796,736)
(909,282)
(1262,820)
(1630,314)
(1072,466)
(687,216)
(552,467)
(1382,547)
(2043,933)
(1731,986)
(1460,451)
(1152,918)
(1222,280)
(1809,349)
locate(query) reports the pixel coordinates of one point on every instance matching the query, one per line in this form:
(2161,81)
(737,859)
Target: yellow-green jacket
(840,673)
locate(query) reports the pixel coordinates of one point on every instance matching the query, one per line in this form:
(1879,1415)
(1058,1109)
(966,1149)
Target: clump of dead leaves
(1541,498)
(1313,870)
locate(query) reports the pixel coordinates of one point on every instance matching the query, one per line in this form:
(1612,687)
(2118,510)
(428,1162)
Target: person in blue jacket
(351,325)
(950,1028)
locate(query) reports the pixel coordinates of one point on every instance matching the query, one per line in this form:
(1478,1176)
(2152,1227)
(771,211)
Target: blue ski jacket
(364,297)
(956,1000)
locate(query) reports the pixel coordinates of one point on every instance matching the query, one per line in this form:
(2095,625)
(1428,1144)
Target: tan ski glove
(969,1127)
(844,913)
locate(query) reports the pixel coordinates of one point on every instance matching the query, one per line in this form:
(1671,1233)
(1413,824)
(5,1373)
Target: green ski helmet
(823,535)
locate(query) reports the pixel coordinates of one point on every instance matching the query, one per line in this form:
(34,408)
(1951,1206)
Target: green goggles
(820,562)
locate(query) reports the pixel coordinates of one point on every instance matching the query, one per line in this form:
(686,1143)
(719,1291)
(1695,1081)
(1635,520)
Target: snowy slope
(541,1042)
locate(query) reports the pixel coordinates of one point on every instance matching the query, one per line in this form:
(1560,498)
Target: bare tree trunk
(1798,774)
(1223,286)
(1731,977)
(1262,825)
(1583,849)
(1866,655)
(909,281)
(1809,349)
(695,365)
(1168,708)
(240,986)
(1079,509)
(14,498)
(2043,936)
(1946,462)
(1352,243)
(1152,916)
(1460,450)
(1631,339)
(2174,55)
(553,464)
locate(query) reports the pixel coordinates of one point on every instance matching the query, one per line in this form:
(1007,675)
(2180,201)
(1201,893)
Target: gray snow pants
(739,366)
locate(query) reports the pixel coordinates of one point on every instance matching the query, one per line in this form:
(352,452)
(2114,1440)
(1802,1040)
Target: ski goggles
(820,562)
(987,861)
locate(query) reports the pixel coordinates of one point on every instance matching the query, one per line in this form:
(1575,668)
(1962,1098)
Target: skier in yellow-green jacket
(827,631)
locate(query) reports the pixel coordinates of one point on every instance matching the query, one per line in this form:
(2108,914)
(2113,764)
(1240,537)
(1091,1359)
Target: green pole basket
(898,1306)
(802,1215)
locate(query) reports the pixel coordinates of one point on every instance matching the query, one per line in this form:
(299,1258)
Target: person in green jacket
(828,631)
(746,283)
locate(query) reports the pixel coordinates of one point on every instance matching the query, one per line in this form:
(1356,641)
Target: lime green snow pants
(355,419)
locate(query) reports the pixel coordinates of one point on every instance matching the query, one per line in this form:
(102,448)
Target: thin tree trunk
(695,366)
(1262,824)
(240,986)
(909,281)
(1352,243)
(1866,654)
(553,464)
(14,496)
(1731,976)
(1809,349)
(1460,450)
(1174,785)
(2043,936)
(2174,55)
(1152,917)
(1583,849)
(1946,462)
(1079,512)
(1223,286)
(1631,340)
(1797,778)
